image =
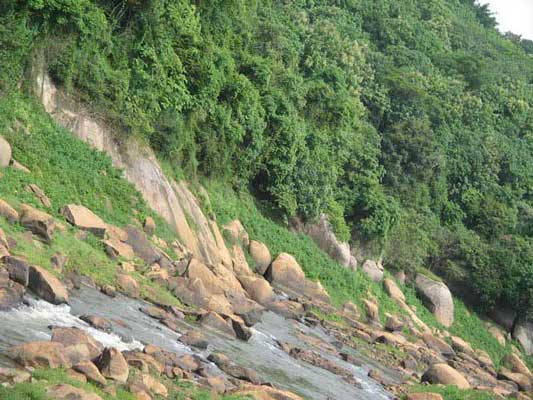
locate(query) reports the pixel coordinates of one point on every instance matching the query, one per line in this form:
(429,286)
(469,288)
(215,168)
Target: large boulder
(47,286)
(516,364)
(115,249)
(321,231)
(261,256)
(18,268)
(445,375)
(5,152)
(113,365)
(258,289)
(263,392)
(373,269)
(40,355)
(38,222)
(77,342)
(523,381)
(523,332)
(437,298)
(90,371)
(286,272)
(84,219)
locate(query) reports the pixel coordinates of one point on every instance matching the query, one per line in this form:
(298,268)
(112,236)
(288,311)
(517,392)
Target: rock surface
(446,375)
(373,269)
(437,297)
(84,219)
(47,286)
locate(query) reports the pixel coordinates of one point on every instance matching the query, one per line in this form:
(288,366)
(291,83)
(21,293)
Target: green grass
(342,284)
(67,169)
(452,392)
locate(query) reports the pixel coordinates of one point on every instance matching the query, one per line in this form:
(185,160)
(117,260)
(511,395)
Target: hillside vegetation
(409,122)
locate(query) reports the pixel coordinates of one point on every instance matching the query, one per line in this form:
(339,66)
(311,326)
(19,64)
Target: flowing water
(132,329)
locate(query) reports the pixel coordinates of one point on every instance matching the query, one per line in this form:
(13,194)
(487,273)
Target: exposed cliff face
(172,200)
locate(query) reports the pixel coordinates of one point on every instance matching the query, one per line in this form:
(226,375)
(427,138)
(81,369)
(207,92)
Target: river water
(132,329)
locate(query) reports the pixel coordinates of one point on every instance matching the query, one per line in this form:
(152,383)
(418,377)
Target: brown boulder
(90,371)
(373,269)
(372,312)
(462,346)
(8,212)
(141,245)
(154,385)
(516,364)
(5,152)
(97,322)
(40,355)
(75,337)
(394,323)
(39,193)
(445,375)
(115,249)
(47,286)
(84,219)
(215,321)
(258,289)
(128,285)
(38,222)
(11,293)
(18,268)
(523,381)
(261,256)
(13,375)
(194,339)
(113,365)
(257,392)
(438,345)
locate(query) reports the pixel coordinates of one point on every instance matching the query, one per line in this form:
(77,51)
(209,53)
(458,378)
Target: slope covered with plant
(409,122)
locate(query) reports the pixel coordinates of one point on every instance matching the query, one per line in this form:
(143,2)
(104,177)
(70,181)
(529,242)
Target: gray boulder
(373,269)
(523,332)
(437,298)
(5,152)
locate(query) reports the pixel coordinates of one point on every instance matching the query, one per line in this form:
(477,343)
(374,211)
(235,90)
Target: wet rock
(215,321)
(90,371)
(287,308)
(113,365)
(97,322)
(109,290)
(74,338)
(84,219)
(47,286)
(252,317)
(128,285)
(373,269)
(241,330)
(115,249)
(392,289)
(13,375)
(446,375)
(233,370)
(39,193)
(261,256)
(149,226)
(437,298)
(38,222)
(8,212)
(194,339)
(237,233)
(68,392)
(40,355)
(318,360)
(18,268)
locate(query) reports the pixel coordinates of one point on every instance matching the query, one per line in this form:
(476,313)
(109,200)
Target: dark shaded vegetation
(409,122)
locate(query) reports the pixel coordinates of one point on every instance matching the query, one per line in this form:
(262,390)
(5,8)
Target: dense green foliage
(410,122)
